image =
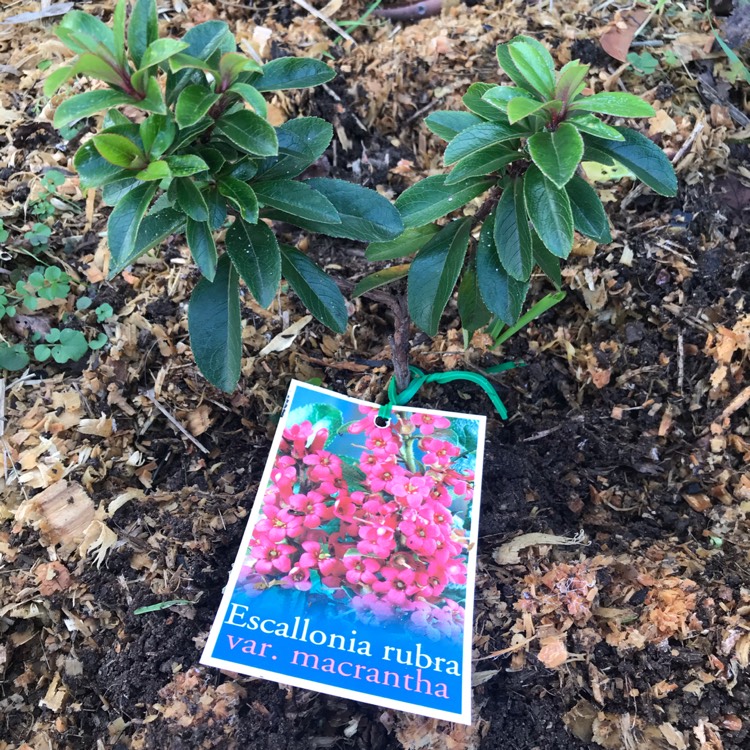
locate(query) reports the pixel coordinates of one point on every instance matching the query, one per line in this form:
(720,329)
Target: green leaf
(589,217)
(193,103)
(95,171)
(293,73)
(125,220)
(475,100)
(482,162)
(380,278)
(157,133)
(83,32)
(501,96)
(143,29)
(642,157)
(447,124)
(56,79)
(297,198)
(249,132)
(255,254)
(316,289)
(215,326)
(182,61)
(302,142)
(89,103)
(431,198)
(185,165)
(434,272)
(241,196)
(557,153)
(13,357)
(520,107)
(535,65)
(217,209)
(202,247)
(616,103)
(231,64)
(571,81)
(190,200)
(549,263)
(408,242)
(512,235)
(93,66)
(548,208)
(507,64)
(471,308)
(252,96)
(592,125)
(154,99)
(160,50)
(478,137)
(119,150)
(155,171)
(365,214)
(502,294)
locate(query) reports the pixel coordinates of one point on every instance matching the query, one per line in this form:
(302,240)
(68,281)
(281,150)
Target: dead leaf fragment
(554,653)
(619,34)
(508,553)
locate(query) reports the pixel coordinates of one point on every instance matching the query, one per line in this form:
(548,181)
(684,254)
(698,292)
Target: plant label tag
(355,576)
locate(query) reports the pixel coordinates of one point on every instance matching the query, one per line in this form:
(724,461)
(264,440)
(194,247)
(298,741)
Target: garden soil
(613,589)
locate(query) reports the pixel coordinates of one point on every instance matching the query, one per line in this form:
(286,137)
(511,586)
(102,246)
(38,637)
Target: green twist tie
(420,379)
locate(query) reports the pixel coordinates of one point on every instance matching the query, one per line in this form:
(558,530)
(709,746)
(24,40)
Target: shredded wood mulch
(613,605)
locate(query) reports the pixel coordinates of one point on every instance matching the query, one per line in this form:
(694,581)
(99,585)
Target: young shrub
(521,146)
(202,157)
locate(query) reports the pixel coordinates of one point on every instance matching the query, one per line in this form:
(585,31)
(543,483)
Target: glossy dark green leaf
(251,95)
(302,142)
(190,200)
(380,278)
(84,32)
(113,192)
(154,228)
(431,198)
(215,327)
(241,196)
(592,125)
(297,198)
(447,124)
(434,272)
(200,240)
(244,170)
(217,208)
(188,136)
(125,220)
(365,214)
(502,294)
(316,289)
(157,133)
(557,153)
(642,157)
(617,103)
(471,308)
(143,29)
(549,263)
(501,96)
(512,235)
(589,217)
(535,64)
(478,137)
(255,254)
(193,103)
(89,103)
(405,244)
(474,100)
(185,165)
(95,171)
(482,162)
(548,208)
(521,107)
(292,73)
(154,99)
(249,132)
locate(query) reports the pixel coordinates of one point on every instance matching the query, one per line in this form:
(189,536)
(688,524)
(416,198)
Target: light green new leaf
(557,153)
(155,171)
(501,96)
(200,240)
(535,66)
(56,79)
(617,103)
(431,198)
(512,235)
(316,289)
(119,150)
(641,156)
(241,196)
(592,125)
(502,294)
(571,81)
(216,328)
(255,254)
(434,272)
(252,96)
(249,132)
(520,107)
(589,217)
(89,103)
(549,209)
(380,278)
(193,103)
(475,101)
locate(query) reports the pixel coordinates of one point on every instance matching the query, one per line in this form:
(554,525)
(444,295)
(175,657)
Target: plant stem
(487,207)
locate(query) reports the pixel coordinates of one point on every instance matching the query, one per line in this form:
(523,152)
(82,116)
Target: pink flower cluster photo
(380,528)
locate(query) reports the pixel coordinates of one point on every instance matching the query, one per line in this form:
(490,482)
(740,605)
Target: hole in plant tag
(355,576)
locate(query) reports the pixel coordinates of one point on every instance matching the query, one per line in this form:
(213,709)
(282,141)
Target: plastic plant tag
(355,576)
